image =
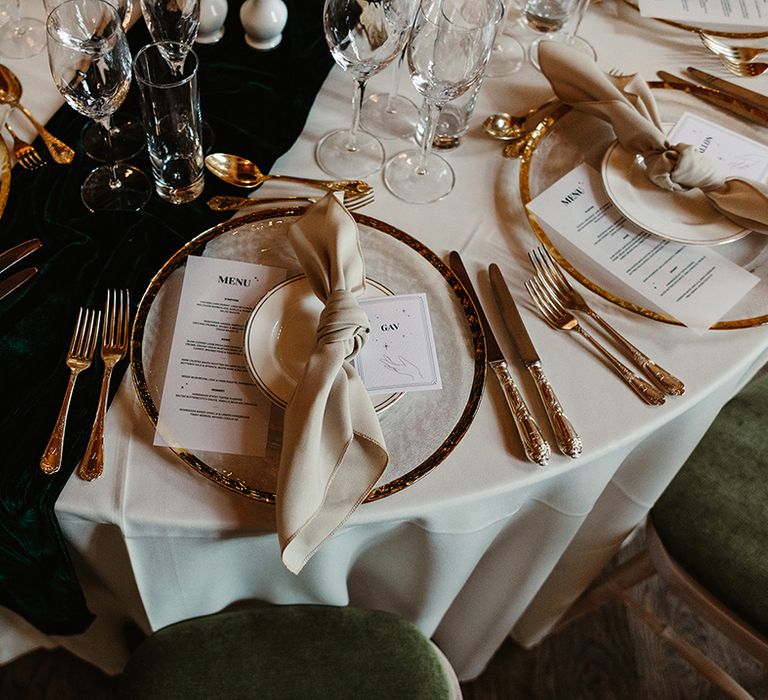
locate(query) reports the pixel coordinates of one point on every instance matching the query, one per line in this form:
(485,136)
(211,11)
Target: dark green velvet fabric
(713,517)
(287,653)
(257,104)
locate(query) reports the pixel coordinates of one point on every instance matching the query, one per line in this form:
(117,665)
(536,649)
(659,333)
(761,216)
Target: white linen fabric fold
(627,104)
(333,448)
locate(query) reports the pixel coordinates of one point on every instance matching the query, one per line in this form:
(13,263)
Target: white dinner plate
(684,217)
(280,336)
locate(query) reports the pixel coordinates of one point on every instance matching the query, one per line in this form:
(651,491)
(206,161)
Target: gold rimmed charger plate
(566,138)
(420,429)
(5,174)
(714,30)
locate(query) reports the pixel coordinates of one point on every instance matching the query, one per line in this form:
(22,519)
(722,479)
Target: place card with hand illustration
(400,352)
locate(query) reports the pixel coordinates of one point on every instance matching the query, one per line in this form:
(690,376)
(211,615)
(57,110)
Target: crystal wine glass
(90,63)
(507,53)
(552,17)
(127,135)
(173,20)
(20,37)
(449,46)
(364,37)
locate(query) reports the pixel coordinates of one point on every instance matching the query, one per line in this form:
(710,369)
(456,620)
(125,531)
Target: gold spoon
(243,173)
(508,127)
(10,93)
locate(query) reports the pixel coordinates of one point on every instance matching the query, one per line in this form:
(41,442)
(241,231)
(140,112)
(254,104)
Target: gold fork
(735,53)
(78,359)
(550,275)
(745,70)
(26,154)
(229,203)
(557,317)
(114,344)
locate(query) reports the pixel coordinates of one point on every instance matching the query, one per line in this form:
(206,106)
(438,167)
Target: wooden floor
(608,655)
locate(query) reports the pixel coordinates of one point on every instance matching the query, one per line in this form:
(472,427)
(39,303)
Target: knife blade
(566,437)
(753,114)
(12,283)
(729,88)
(536,447)
(18,252)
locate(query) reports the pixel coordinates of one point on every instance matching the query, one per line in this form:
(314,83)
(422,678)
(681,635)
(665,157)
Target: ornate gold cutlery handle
(536,447)
(666,381)
(59,150)
(231,203)
(647,392)
(351,186)
(92,464)
(50,462)
(566,437)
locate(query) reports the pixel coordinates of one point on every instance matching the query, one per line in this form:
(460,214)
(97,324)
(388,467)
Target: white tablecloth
(487,544)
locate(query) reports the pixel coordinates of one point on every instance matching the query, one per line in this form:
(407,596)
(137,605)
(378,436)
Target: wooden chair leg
(631,572)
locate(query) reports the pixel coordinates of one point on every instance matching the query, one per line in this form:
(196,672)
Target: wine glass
(507,53)
(127,135)
(449,46)
(551,17)
(20,37)
(90,63)
(175,21)
(364,37)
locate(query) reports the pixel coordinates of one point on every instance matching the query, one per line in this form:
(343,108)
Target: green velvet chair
(707,539)
(289,652)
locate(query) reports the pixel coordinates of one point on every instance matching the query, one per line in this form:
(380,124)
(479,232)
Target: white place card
(209,401)
(400,353)
(730,153)
(693,284)
(752,13)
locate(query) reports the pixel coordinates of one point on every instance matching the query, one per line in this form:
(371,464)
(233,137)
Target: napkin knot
(343,321)
(680,168)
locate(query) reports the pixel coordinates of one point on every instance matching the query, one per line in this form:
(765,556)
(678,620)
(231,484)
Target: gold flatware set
(739,60)
(229,203)
(114,345)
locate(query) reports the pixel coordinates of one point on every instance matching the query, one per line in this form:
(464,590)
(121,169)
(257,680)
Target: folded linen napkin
(333,448)
(627,104)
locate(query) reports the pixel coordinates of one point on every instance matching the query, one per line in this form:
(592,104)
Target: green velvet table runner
(256,104)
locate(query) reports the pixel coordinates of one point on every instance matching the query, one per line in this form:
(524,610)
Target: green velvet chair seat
(282,652)
(713,517)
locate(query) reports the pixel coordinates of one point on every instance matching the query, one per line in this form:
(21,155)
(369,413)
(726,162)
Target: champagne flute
(175,21)
(449,46)
(126,137)
(20,37)
(364,37)
(90,63)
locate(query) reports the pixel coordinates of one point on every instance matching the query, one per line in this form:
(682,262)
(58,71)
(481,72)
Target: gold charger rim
(534,138)
(5,174)
(232,483)
(692,28)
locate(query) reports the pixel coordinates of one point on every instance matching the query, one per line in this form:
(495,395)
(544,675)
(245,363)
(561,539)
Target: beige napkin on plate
(627,104)
(333,448)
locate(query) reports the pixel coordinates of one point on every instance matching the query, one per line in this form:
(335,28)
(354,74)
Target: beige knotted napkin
(333,448)
(627,104)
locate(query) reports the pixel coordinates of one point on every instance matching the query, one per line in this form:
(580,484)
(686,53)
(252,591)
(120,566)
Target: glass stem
(395,88)
(357,101)
(578,15)
(433,114)
(106,124)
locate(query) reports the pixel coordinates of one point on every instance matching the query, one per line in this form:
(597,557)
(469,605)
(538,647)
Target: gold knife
(729,88)
(729,104)
(566,437)
(536,447)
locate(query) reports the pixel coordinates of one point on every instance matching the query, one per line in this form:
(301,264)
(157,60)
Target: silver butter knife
(746,111)
(18,252)
(12,283)
(536,447)
(566,437)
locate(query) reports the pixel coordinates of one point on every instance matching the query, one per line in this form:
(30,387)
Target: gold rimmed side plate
(558,144)
(711,29)
(420,429)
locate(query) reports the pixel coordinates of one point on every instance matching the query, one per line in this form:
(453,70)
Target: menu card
(737,12)
(693,284)
(209,401)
